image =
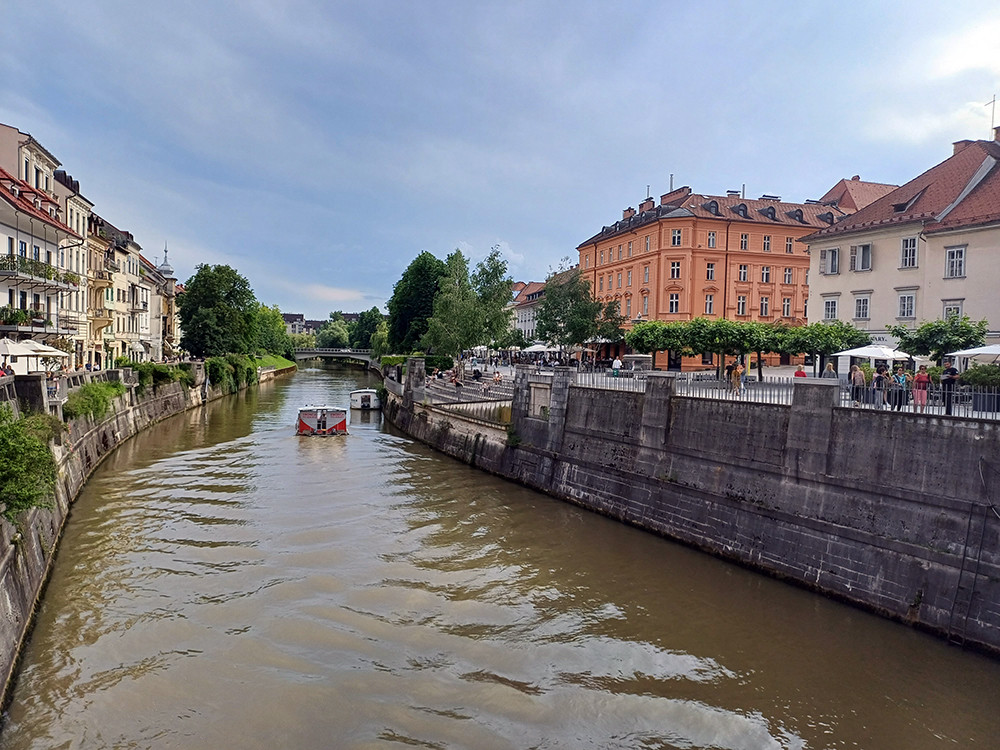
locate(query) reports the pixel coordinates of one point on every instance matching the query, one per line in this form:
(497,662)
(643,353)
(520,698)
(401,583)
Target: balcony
(97,314)
(112,265)
(101,279)
(137,306)
(36,274)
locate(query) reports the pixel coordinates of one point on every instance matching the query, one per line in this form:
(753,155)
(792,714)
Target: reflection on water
(223,582)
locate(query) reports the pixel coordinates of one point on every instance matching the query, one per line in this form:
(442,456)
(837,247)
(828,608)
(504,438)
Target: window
(743,272)
(602,257)
(767,243)
(953,308)
(647,243)
(710,272)
(630,248)
(786,307)
(954,262)
(829,260)
(788,275)
(587,262)
(619,280)
(645,274)
(675,237)
(805,308)
(628,307)
(628,279)
(829,309)
(861,257)
(645,304)
(619,252)
(861,305)
(675,269)
(788,245)
(709,304)
(600,284)
(744,241)
(907,302)
(610,279)
(765,274)
(711,239)
(765,307)
(22,248)
(741,305)
(908,252)
(675,302)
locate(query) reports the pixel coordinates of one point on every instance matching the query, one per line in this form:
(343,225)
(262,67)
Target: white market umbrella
(873,351)
(44,350)
(11,348)
(537,348)
(991,350)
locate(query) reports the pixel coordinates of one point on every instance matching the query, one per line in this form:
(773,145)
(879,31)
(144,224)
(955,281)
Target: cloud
(972,49)
(964,121)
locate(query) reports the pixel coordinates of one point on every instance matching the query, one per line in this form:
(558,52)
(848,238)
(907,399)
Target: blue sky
(318,147)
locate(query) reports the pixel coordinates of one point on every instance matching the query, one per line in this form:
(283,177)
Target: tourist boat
(365,398)
(321,420)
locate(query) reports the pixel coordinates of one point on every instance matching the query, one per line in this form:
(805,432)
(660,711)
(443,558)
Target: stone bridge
(359,355)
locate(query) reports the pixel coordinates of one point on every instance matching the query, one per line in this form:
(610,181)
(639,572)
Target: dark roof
(682,203)
(24,201)
(963,190)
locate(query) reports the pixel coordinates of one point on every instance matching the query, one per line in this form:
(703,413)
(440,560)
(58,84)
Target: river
(224,583)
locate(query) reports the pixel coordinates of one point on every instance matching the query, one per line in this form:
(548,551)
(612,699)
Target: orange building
(705,256)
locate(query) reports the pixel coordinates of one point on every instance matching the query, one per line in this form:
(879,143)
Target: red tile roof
(854,194)
(963,190)
(24,201)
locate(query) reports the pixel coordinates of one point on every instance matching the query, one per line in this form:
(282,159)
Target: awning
(137,347)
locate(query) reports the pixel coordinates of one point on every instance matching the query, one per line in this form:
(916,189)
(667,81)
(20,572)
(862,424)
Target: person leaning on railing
(921,385)
(857,378)
(949,379)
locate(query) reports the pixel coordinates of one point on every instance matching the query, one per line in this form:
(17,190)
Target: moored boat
(365,398)
(321,420)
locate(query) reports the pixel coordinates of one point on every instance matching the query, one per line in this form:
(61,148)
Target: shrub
(92,399)
(984,376)
(27,468)
(220,373)
(440,361)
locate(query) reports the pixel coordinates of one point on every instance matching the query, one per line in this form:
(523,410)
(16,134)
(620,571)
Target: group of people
(6,369)
(892,389)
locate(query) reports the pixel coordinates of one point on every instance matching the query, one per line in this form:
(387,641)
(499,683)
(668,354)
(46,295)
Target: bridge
(358,355)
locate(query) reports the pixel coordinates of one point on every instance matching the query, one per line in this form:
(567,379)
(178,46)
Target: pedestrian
(615,367)
(737,379)
(829,372)
(880,388)
(899,389)
(857,378)
(921,385)
(949,379)
(800,371)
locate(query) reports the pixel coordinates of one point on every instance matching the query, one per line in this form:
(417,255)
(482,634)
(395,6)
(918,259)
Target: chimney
(996,134)
(647,204)
(628,213)
(732,193)
(960,146)
(856,178)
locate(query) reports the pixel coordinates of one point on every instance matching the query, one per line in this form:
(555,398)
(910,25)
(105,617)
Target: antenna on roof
(993,110)
(647,191)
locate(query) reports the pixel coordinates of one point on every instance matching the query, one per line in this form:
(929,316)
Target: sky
(319,146)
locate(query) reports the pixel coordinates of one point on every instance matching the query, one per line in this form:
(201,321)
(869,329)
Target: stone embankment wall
(897,513)
(27,549)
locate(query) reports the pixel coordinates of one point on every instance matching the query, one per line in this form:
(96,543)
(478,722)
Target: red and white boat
(321,420)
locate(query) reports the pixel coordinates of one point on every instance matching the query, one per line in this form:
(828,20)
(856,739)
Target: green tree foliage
(272,334)
(568,314)
(218,312)
(362,331)
(379,343)
(27,468)
(412,302)
(333,335)
(303,340)
(469,310)
(938,337)
(511,338)
(822,338)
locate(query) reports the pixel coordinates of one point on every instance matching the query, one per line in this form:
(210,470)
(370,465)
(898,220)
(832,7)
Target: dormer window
(712,207)
(827,217)
(740,210)
(769,212)
(795,215)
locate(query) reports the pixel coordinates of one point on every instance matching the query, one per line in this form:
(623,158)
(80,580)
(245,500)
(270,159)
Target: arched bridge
(360,355)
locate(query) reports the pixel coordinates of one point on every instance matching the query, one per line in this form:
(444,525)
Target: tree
(512,338)
(469,310)
(938,337)
(303,340)
(333,335)
(272,335)
(568,313)
(823,338)
(361,333)
(412,302)
(380,341)
(218,312)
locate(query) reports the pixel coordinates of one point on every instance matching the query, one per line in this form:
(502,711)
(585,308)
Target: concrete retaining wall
(892,512)
(28,549)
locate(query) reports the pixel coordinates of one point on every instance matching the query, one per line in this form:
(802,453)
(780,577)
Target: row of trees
(220,315)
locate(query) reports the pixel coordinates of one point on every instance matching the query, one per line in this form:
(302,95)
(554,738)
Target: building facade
(927,250)
(695,256)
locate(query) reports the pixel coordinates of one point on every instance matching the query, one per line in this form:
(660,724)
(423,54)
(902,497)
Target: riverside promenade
(893,512)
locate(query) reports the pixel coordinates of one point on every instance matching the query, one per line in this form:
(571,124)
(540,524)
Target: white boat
(321,420)
(365,398)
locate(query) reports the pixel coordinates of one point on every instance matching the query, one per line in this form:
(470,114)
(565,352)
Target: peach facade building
(706,256)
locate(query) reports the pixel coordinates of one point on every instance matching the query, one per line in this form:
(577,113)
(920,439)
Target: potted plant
(985,380)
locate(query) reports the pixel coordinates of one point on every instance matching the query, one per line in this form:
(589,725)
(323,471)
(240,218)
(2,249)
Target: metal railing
(493,412)
(774,391)
(625,380)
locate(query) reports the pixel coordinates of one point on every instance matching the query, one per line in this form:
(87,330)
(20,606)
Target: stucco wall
(887,511)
